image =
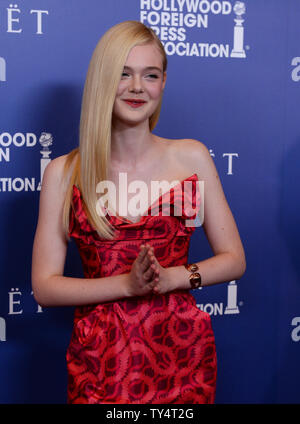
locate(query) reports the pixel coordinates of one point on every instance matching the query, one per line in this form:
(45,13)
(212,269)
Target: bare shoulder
(56,172)
(56,166)
(193,154)
(189,146)
(188,156)
(185,146)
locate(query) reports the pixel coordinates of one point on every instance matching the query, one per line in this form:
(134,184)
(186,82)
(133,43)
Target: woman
(138,335)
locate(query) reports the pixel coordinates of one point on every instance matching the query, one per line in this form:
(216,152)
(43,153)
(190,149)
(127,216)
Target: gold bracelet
(195,277)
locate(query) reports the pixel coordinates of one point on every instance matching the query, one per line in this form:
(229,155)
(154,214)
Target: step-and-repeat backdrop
(234,84)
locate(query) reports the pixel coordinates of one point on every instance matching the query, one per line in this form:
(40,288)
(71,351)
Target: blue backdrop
(234,84)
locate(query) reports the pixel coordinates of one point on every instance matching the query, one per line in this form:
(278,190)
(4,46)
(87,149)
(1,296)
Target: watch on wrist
(195,277)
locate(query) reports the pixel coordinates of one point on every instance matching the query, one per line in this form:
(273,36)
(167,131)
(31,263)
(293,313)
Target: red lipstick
(135,103)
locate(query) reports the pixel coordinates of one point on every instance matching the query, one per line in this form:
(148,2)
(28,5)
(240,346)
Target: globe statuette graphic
(45,141)
(238,35)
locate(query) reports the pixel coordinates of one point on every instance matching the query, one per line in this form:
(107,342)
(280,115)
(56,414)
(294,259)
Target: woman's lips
(135,103)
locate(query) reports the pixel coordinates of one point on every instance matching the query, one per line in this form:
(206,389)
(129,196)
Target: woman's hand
(144,274)
(163,282)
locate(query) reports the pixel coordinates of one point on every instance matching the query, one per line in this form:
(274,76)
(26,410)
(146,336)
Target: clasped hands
(147,275)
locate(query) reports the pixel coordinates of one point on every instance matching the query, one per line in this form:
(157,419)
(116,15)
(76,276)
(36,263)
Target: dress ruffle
(156,223)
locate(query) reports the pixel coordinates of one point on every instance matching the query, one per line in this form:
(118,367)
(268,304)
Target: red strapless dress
(154,349)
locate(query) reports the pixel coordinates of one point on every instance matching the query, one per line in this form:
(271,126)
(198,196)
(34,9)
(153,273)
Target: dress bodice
(167,227)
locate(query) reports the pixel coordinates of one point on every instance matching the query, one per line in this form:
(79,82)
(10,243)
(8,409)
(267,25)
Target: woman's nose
(136,84)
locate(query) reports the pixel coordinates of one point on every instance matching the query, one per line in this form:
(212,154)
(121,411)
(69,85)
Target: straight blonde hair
(89,162)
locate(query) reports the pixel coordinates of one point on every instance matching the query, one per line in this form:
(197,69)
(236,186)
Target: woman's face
(140,87)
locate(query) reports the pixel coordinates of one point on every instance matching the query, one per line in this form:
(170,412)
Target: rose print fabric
(158,348)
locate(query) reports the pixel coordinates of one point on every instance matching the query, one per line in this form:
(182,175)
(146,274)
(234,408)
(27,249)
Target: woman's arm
(228,262)
(50,287)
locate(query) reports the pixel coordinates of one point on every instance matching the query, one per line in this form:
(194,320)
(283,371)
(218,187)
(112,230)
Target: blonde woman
(138,335)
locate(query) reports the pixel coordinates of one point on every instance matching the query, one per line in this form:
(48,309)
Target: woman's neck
(131,145)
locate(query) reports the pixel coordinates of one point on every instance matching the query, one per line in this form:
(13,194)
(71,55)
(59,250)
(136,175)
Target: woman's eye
(152,76)
(125,74)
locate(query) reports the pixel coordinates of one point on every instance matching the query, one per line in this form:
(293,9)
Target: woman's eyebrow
(148,68)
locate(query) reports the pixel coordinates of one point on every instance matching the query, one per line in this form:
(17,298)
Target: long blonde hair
(90,160)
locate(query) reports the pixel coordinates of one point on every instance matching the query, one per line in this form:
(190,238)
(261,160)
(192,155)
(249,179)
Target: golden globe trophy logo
(45,141)
(9,142)
(173,21)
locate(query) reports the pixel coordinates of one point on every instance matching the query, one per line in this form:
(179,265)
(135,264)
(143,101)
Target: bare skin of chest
(134,192)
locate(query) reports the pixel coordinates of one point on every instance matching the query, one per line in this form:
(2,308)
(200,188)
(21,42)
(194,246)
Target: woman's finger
(146,261)
(150,273)
(142,253)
